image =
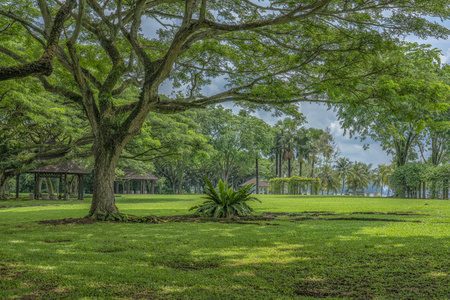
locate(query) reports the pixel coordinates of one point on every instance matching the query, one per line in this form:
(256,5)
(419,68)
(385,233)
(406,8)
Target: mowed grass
(358,255)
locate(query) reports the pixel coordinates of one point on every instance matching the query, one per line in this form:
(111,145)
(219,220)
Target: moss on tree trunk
(103,201)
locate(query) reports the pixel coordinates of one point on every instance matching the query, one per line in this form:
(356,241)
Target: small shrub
(224,202)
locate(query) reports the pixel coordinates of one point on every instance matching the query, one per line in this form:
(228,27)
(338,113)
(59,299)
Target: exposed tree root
(262,219)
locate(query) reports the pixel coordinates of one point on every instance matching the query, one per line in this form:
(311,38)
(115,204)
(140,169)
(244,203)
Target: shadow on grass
(157,198)
(337,258)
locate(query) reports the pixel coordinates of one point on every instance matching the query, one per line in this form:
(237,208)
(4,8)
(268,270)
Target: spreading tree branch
(44,65)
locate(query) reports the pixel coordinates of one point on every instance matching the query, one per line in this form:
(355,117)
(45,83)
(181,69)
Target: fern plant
(224,202)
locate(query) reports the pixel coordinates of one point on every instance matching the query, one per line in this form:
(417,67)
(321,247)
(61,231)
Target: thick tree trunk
(424,191)
(103,201)
(313,166)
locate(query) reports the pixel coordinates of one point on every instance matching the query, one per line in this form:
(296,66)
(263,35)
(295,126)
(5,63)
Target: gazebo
(60,171)
(130,175)
(263,186)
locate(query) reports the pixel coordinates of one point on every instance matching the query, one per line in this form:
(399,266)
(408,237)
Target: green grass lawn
(351,253)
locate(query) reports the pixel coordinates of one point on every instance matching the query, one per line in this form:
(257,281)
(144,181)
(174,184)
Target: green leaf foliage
(223,202)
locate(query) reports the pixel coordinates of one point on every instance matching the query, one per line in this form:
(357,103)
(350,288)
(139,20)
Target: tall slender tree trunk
(445,190)
(289,167)
(257,179)
(276,164)
(300,169)
(280,165)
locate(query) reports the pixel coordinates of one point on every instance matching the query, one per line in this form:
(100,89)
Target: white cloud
(445,58)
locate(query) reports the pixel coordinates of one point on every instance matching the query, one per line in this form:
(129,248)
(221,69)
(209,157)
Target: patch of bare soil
(5,271)
(69,221)
(57,241)
(396,213)
(192,265)
(371,219)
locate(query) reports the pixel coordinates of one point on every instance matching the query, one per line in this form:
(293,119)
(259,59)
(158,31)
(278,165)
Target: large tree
(270,54)
(414,100)
(237,138)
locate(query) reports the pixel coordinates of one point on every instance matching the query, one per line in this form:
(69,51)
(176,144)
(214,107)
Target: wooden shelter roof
(129,174)
(66,167)
(253,181)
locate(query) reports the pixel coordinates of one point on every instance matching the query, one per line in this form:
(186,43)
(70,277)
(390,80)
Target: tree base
(99,215)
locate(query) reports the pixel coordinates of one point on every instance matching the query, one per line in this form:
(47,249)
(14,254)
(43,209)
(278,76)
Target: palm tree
(359,176)
(382,174)
(287,130)
(314,137)
(342,166)
(330,179)
(302,147)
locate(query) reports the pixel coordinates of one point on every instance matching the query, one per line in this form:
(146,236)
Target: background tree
(287,131)
(29,120)
(315,136)
(302,148)
(359,177)
(342,166)
(381,176)
(256,140)
(411,97)
(435,139)
(330,179)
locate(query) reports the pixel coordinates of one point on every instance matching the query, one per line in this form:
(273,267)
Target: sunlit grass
(313,258)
